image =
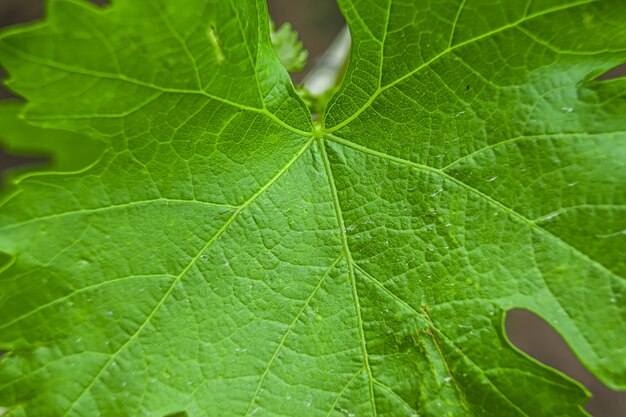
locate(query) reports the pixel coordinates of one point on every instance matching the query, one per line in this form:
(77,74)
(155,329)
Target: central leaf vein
(355,294)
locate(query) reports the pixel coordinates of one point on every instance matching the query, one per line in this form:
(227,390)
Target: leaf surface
(226,257)
(65,151)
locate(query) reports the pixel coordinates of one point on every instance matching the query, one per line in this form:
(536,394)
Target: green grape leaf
(65,151)
(289,48)
(224,256)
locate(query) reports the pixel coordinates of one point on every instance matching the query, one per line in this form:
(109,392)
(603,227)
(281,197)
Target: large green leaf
(225,257)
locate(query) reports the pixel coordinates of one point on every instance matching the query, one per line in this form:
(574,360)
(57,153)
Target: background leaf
(288,47)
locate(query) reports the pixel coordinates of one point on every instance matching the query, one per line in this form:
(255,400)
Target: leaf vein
(471,189)
(355,295)
(452,48)
(288,332)
(187,268)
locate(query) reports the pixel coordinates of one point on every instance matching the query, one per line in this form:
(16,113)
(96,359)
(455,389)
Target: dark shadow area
(181,414)
(614,73)
(531,334)
(13,12)
(9,161)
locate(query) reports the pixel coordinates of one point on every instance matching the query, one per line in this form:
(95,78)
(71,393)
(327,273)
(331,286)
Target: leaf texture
(223,256)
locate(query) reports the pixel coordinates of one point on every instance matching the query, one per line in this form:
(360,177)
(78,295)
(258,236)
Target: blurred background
(318,23)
